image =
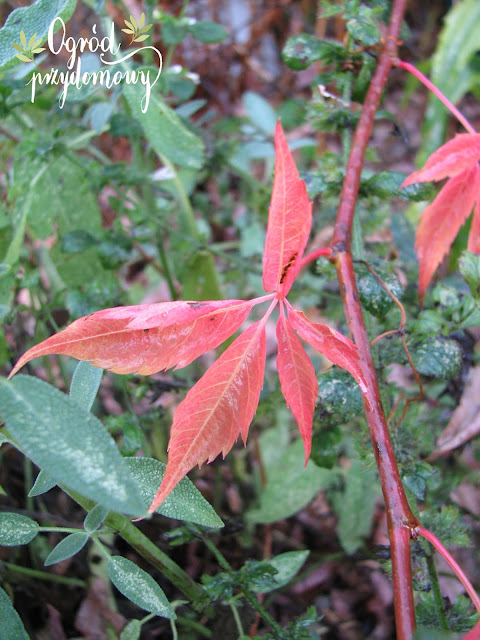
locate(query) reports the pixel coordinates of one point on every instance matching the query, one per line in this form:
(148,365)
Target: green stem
(187,210)
(437,595)
(147,549)
(263,613)
(196,626)
(42,575)
(237,618)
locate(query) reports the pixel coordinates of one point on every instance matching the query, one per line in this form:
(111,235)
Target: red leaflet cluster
(457,160)
(221,405)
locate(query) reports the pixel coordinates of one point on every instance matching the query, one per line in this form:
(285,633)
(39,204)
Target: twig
(401,521)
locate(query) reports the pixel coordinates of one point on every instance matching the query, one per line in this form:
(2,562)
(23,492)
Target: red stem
(324,251)
(401,521)
(428,535)
(436,91)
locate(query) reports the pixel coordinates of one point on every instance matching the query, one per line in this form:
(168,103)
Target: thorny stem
(436,91)
(401,521)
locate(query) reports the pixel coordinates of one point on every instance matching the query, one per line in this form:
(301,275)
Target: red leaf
(449,160)
(441,221)
(218,409)
(333,345)
(474,235)
(145,338)
(298,380)
(289,221)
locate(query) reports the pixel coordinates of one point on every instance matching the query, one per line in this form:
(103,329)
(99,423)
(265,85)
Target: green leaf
(95,518)
(16,529)
(33,19)
(469,265)
(260,112)
(438,357)
(164,130)
(208,32)
(23,58)
(77,241)
(141,38)
(53,191)
(85,383)
(68,442)
(12,627)
(355,505)
(363,27)
(451,73)
(339,397)
(185,502)
(67,548)
(139,587)
(42,484)
(386,184)
(287,566)
(290,486)
(199,278)
(132,630)
(302,50)
(372,295)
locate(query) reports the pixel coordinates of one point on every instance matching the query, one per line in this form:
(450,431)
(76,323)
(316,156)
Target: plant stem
(43,575)
(436,91)
(401,521)
(437,595)
(147,549)
(428,535)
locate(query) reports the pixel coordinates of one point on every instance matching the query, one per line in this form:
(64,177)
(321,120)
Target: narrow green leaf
(67,548)
(141,38)
(42,484)
(95,518)
(23,39)
(185,502)
(67,442)
(16,529)
(164,130)
(85,383)
(142,20)
(35,18)
(208,32)
(139,587)
(130,25)
(31,41)
(129,31)
(23,58)
(12,627)
(18,47)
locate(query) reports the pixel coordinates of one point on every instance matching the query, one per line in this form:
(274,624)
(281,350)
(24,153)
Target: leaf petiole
(436,91)
(432,538)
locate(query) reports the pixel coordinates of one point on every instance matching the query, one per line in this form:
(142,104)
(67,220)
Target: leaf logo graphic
(137,31)
(27,51)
